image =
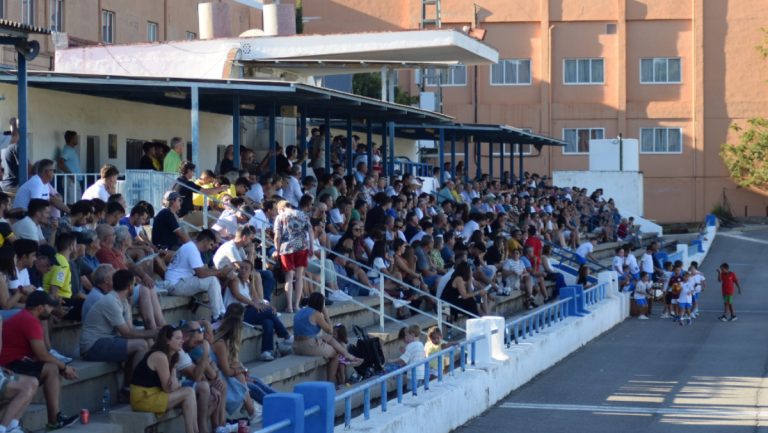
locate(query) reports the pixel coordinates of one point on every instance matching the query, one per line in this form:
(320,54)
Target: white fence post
(205,211)
(381,301)
(440,314)
(263,249)
(322,271)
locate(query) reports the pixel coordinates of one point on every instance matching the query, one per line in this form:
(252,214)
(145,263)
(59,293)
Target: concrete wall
(626,188)
(449,405)
(51,113)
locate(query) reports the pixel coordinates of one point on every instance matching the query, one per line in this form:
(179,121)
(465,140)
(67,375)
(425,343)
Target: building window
(527,148)
(28,12)
(661,140)
(191,36)
(453,76)
(2,8)
(107,27)
(57,15)
(577,139)
(152,30)
(511,72)
(660,70)
(583,71)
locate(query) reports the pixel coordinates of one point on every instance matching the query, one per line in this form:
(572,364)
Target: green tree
(299,17)
(746,160)
(370,85)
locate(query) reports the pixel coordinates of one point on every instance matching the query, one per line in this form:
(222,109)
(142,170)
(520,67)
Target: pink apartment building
(672,74)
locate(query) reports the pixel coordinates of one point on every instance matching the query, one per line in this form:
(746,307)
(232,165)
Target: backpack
(369,349)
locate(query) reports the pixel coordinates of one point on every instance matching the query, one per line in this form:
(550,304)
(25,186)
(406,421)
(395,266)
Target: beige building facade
(672,74)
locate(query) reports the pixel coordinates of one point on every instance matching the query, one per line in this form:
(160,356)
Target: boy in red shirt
(728,279)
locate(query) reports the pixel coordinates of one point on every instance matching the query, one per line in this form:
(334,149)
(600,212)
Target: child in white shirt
(685,300)
(699,284)
(642,294)
(414,351)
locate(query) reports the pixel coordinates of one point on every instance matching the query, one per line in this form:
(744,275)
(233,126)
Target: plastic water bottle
(106,400)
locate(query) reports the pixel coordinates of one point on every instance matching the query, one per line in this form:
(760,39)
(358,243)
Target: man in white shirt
(584,251)
(36,186)
(187,275)
(617,264)
(228,222)
(292,191)
(26,254)
(29,226)
(105,186)
(646,261)
(631,261)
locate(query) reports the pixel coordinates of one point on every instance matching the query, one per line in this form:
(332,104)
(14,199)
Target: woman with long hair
(155,385)
(226,347)
(458,293)
(313,336)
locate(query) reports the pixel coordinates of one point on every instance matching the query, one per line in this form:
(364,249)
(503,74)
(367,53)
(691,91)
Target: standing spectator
(293,244)
(147,161)
(186,188)
(69,162)
(24,353)
(108,334)
(585,250)
(172,160)
(155,386)
(37,186)
(728,280)
(9,161)
(187,275)
(105,186)
(166,232)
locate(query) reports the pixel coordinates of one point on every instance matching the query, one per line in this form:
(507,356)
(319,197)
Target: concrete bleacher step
(86,391)
(138,422)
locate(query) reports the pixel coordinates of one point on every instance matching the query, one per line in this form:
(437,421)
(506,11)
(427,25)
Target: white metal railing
(72,185)
(137,185)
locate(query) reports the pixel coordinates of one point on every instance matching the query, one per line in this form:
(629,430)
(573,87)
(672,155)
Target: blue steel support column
(511,163)
(453,156)
(520,152)
(501,163)
(369,140)
(478,159)
(195,121)
(22,91)
(490,161)
(391,148)
(272,139)
(441,156)
(327,142)
(236,129)
(303,142)
(384,146)
(466,159)
(349,145)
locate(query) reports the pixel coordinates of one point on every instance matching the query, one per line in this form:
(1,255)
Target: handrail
(570,257)
(365,388)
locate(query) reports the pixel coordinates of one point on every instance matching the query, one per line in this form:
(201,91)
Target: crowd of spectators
(93,259)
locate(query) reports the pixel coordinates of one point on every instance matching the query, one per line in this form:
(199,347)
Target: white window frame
(57,15)
(665,59)
(449,77)
(27,11)
(107,26)
(153,31)
(191,36)
(516,63)
(665,131)
(566,152)
(583,83)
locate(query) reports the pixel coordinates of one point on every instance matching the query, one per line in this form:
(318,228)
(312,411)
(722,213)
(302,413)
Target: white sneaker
(59,356)
(266,356)
(285,345)
(665,316)
(642,317)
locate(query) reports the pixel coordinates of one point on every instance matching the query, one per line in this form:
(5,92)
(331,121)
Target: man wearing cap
(108,334)
(24,352)
(166,232)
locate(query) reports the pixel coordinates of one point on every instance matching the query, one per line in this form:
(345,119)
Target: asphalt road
(655,376)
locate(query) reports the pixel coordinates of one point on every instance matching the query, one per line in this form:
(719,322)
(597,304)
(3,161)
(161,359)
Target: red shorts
(294,260)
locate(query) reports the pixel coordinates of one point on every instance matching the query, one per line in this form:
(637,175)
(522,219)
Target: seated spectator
(551,273)
(535,276)
(37,186)
(58,280)
(154,384)
(309,340)
(29,227)
(424,266)
(457,291)
(258,313)
(102,284)
(17,392)
(14,278)
(204,376)
(144,295)
(187,274)
(347,273)
(24,353)
(87,261)
(106,185)
(108,334)
(80,216)
(226,347)
(414,352)
(115,211)
(166,232)
(512,272)
(241,249)
(227,223)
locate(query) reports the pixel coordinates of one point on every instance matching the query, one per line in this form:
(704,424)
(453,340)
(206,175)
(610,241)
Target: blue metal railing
(572,259)
(410,369)
(414,168)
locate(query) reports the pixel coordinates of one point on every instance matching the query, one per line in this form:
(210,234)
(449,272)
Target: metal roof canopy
(216,96)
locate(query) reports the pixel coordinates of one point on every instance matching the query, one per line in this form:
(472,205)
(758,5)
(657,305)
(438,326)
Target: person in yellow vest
(205,181)
(58,280)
